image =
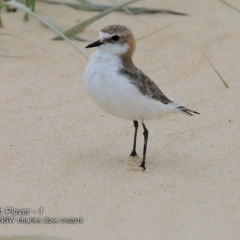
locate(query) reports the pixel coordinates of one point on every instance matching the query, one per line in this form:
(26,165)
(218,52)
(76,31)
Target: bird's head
(116,40)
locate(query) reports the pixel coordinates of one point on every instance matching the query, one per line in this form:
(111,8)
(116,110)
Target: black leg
(145,134)
(133,154)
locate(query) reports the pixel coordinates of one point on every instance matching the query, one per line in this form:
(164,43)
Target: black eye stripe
(115,38)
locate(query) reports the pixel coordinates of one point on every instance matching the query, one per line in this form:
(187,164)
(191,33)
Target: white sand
(60,151)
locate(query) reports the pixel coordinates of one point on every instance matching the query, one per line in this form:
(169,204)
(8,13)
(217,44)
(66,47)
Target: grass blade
(54,24)
(155,31)
(1,24)
(12,56)
(26,15)
(225,84)
(124,8)
(30,4)
(79,27)
(229,5)
(81,39)
(28,11)
(13,35)
(102,7)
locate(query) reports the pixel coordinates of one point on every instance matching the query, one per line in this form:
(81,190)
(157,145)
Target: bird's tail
(187,110)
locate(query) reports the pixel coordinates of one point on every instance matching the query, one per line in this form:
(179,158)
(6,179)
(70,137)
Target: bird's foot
(143,166)
(133,153)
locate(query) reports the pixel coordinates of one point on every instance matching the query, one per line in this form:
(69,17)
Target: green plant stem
(229,5)
(225,84)
(79,27)
(101,7)
(28,11)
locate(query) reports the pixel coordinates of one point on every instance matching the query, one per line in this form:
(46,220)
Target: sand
(61,152)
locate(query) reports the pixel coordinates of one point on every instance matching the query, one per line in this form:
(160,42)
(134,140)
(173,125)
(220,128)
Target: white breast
(115,94)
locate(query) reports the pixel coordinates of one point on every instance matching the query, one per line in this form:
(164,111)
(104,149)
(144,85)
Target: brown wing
(148,88)
(145,85)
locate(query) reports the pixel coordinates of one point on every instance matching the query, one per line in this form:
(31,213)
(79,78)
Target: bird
(117,86)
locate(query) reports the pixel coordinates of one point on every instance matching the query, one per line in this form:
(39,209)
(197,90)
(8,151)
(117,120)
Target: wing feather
(144,84)
(148,88)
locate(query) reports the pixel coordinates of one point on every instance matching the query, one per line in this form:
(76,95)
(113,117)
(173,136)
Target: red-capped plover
(117,86)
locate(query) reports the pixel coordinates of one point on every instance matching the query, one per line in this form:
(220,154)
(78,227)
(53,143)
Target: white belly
(115,94)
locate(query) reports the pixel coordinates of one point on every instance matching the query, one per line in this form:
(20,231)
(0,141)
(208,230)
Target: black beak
(94,44)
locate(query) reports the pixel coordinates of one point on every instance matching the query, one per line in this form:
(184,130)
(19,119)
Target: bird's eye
(115,38)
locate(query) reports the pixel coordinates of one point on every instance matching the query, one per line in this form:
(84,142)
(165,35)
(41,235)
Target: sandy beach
(59,151)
